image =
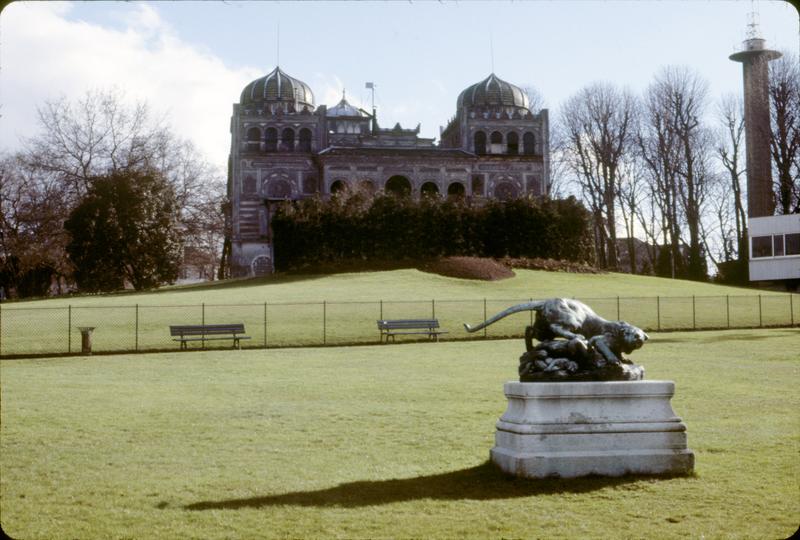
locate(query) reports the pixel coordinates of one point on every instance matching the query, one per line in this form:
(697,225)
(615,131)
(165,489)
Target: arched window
(456,190)
(496,143)
(399,185)
(480,142)
(279,189)
(429,189)
(253,139)
(304,145)
(287,140)
(512,140)
(528,147)
(271,140)
(249,185)
(261,265)
(339,186)
(505,191)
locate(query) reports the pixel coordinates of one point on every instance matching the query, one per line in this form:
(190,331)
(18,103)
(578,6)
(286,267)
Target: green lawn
(383,441)
(293,309)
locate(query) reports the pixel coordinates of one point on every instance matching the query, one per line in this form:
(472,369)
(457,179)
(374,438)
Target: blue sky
(189,60)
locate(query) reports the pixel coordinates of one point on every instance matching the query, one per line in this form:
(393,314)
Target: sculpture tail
(527,306)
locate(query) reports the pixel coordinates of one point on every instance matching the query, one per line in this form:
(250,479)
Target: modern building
(284,147)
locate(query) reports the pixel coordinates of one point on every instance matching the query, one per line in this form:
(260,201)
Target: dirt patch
(468,268)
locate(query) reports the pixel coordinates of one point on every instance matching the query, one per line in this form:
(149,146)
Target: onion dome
(493,92)
(343,108)
(278,87)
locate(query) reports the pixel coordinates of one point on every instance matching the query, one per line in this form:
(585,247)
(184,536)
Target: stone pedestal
(611,428)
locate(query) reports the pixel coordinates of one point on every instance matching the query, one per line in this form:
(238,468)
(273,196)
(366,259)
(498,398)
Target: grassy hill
(406,284)
(343,308)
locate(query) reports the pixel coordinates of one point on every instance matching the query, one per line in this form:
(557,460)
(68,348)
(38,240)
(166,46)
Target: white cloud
(46,55)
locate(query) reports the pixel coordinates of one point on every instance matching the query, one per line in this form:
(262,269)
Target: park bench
(391,328)
(208,332)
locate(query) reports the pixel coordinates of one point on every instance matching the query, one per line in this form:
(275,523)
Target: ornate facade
(284,147)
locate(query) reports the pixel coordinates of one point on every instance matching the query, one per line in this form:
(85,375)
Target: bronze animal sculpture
(570,319)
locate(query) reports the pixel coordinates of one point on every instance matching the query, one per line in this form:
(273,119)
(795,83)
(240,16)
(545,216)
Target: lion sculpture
(589,338)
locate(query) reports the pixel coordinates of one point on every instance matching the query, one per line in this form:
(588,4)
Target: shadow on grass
(483,482)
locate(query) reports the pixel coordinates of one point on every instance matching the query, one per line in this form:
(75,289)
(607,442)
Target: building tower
(755,58)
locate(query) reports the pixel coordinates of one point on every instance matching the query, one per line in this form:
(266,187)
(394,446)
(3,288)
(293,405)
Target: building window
(793,244)
(528,146)
(399,186)
(429,189)
(279,189)
(480,142)
(477,185)
(304,145)
(456,191)
(271,140)
(253,139)
(513,144)
(249,185)
(762,246)
(310,184)
(261,265)
(777,245)
(287,140)
(506,191)
(339,186)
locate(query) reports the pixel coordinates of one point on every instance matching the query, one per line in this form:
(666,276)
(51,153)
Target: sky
(190,60)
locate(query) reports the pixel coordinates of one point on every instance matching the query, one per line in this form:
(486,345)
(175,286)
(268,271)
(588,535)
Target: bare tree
(597,125)
(676,147)
(102,133)
(32,238)
(784,93)
(730,152)
(629,196)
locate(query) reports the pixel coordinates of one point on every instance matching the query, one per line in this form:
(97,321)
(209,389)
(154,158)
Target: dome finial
(344,94)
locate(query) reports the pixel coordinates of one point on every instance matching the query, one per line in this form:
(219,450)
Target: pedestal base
(575,429)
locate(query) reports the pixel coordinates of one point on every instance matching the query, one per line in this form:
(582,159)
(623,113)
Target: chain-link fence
(42,331)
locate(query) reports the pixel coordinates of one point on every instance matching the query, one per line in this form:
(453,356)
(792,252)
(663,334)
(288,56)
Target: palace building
(284,147)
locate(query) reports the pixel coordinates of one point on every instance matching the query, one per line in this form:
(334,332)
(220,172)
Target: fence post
(1,328)
(760,320)
(381,314)
(791,308)
(694,315)
(484,316)
(265,325)
(618,307)
(203,321)
(324,322)
(658,312)
(136,339)
(69,326)
(728,309)
(433,309)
